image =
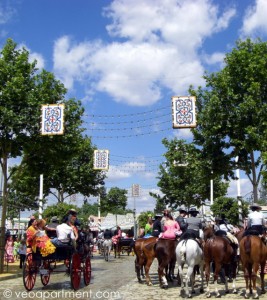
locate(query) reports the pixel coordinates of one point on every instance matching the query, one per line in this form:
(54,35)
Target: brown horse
(145,254)
(165,253)
(253,253)
(219,251)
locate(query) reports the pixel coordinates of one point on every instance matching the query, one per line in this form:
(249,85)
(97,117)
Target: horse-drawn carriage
(123,245)
(76,260)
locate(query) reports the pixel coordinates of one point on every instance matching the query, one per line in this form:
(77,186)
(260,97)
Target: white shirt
(256,218)
(64,231)
(227,228)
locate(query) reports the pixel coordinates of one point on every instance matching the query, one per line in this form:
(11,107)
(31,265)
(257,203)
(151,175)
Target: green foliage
(59,210)
(143,217)
(115,201)
(184,179)
(228,207)
(232,113)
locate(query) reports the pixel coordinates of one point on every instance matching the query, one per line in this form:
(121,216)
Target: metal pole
(239,198)
(41,196)
(211,193)
(99,213)
(134,215)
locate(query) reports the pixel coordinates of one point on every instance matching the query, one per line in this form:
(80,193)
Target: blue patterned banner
(184,112)
(53,119)
(101,159)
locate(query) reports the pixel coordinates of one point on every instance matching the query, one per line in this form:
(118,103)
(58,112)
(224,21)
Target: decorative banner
(184,112)
(135,190)
(53,119)
(101,159)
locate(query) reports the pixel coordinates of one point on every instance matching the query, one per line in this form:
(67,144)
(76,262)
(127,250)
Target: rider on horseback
(222,227)
(194,226)
(256,221)
(181,219)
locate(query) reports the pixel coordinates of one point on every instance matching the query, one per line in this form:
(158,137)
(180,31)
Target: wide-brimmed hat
(193,210)
(255,205)
(54,219)
(182,209)
(158,215)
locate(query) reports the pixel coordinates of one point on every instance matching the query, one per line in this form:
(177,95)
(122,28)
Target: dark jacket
(182,223)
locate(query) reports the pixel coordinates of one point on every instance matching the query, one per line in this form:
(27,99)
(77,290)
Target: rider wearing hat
(181,219)
(157,225)
(194,225)
(256,220)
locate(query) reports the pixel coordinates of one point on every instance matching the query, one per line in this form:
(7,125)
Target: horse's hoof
(255,297)
(164,287)
(246,296)
(218,296)
(227,292)
(234,291)
(208,295)
(150,284)
(201,291)
(189,296)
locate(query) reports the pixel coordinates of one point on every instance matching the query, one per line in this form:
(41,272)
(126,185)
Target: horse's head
(208,232)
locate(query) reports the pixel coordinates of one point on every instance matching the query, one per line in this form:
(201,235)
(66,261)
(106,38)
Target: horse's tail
(183,250)
(247,244)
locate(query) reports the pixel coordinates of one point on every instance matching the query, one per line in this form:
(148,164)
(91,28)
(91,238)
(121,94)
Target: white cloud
(6,12)
(161,40)
(245,188)
(255,18)
(214,58)
(39,58)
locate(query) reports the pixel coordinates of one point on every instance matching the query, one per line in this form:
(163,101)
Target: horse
(145,254)
(218,250)
(107,245)
(165,254)
(190,253)
(253,253)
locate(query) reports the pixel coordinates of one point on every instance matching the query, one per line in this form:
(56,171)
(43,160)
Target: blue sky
(125,59)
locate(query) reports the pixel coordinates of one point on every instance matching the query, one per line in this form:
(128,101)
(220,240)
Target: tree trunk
(3,219)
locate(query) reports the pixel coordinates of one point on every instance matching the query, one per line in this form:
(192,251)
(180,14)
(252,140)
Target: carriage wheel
(45,277)
(29,272)
(75,271)
(87,270)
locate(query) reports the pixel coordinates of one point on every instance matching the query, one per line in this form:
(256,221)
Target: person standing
(22,253)
(9,250)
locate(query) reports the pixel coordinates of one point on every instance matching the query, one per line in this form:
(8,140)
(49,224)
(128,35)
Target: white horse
(189,252)
(107,244)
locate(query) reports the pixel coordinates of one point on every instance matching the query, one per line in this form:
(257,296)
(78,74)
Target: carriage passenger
(37,238)
(256,220)
(171,228)
(51,228)
(65,233)
(157,225)
(117,236)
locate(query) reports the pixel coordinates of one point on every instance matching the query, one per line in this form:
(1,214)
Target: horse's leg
(188,276)
(181,276)
(255,269)
(234,270)
(247,276)
(147,268)
(262,278)
(218,267)
(201,268)
(162,278)
(207,272)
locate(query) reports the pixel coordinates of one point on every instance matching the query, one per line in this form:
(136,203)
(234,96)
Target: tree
(232,113)
(115,201)
(59,210)
(228,208)
(22,91)
(184,178)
